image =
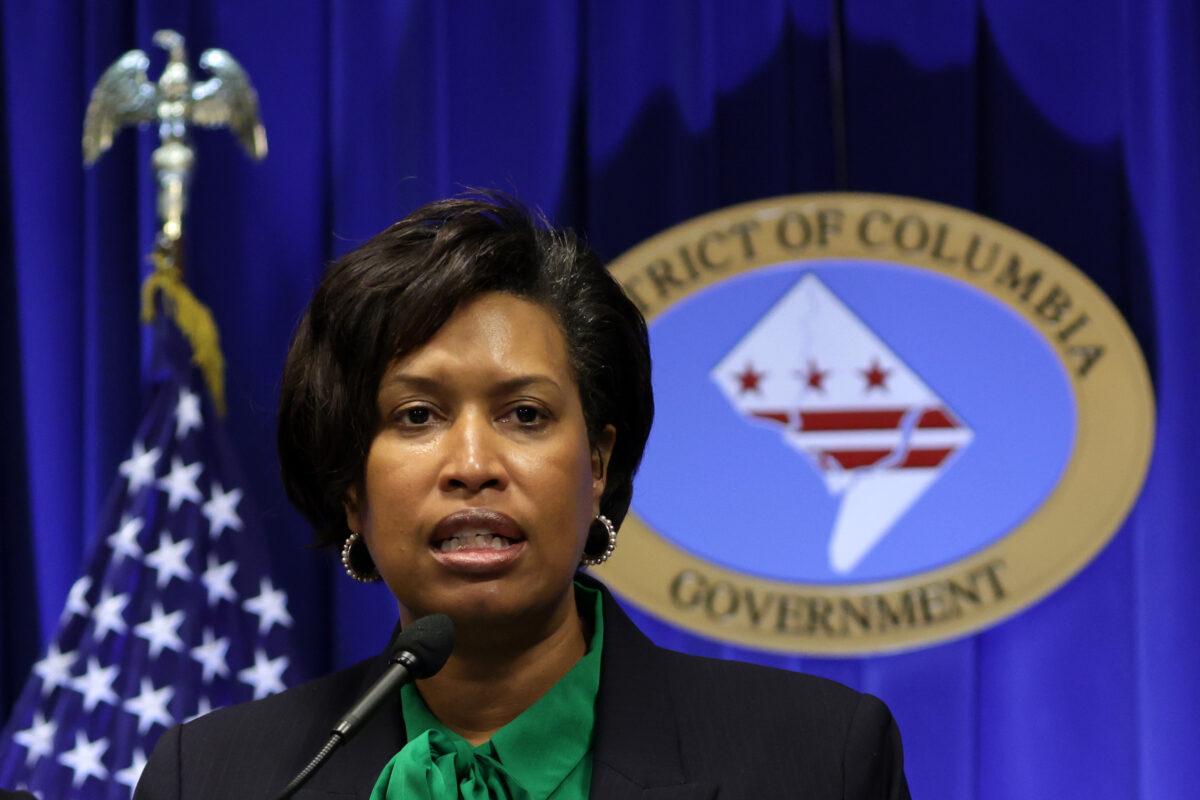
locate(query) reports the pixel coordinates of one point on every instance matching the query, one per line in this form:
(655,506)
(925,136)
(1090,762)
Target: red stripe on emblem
(875,420)
(856,459)
(850,420)
(936,418)
(774,416)
(853,459)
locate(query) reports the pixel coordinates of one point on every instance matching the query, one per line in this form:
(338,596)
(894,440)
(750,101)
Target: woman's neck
(496,672)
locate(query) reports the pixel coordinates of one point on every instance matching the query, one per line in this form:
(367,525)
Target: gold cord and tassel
(192,318)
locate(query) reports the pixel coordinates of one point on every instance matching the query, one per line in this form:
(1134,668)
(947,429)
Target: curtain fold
(1160,128)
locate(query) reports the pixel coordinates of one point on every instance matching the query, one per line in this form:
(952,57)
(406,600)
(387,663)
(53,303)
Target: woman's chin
(491,606)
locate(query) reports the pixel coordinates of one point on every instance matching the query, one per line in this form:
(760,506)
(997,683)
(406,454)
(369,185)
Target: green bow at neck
(440,766)
(543,754)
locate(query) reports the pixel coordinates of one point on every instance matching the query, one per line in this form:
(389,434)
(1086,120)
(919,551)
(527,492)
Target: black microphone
(418,652)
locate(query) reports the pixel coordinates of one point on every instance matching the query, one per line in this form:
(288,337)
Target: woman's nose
(474,459)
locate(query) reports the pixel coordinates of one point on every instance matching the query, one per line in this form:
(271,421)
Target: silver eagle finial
(124,96)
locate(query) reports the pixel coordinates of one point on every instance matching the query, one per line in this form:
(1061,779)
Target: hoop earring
(348,559)
(609,547)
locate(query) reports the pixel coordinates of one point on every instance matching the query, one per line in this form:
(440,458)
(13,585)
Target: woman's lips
(477,541)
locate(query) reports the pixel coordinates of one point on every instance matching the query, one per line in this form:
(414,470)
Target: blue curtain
(1077,123)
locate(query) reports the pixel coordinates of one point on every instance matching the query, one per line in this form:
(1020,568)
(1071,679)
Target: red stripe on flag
(774,416)
(875,420)
(855,459)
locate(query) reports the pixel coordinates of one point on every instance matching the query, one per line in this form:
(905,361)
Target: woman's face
(480,485)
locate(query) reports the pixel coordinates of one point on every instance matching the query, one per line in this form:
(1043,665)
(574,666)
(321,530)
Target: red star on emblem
(748,380)
(876,376)
(813,377)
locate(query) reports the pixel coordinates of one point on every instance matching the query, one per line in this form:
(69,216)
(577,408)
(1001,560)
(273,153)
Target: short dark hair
(390,296)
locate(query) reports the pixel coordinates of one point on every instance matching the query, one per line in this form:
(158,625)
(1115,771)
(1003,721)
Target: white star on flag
(84,759)
(37,739)
(218,580)
(150,706)
(96,684)
(77,598)
(132,774)
(55,668)
(266,676)
(221,510)
(211,655)
(270,606)
(187,413)
(107,615)
(180,483)
(170,559)
(877,435)
(161,631)
(124,541)
(138,469)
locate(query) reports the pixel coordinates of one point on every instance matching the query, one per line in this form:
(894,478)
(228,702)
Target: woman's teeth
(487,541)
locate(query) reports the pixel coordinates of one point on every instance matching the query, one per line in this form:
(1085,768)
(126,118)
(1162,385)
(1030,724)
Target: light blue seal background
(735,494)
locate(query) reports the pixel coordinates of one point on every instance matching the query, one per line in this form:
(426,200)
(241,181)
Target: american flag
(175,615)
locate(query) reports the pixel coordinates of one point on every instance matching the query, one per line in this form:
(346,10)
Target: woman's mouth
(476,541)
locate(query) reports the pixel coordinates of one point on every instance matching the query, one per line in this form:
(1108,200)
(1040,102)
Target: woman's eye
(528,416)
(418,415)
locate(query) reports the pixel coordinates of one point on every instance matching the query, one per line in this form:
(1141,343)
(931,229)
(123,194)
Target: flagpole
(176,612)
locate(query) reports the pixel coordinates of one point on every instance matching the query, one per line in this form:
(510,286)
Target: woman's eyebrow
(526,382)
(423,383)
(419,383)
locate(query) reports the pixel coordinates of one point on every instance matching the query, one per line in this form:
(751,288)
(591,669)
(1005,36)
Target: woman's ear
(602,450)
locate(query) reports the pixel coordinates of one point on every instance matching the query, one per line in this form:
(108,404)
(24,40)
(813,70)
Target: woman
(464,405)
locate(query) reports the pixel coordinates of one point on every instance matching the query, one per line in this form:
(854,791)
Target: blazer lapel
(637,750)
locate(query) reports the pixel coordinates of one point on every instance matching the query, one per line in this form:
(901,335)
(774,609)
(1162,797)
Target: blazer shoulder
(813,732)
(329,695)
(259,745)
(711,679)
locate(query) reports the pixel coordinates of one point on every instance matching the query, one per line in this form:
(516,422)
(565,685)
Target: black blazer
(668,727)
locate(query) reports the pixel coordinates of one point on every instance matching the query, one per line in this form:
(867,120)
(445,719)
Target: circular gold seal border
(1114,436)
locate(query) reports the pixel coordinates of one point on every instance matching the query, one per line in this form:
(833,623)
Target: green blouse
(544,754)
